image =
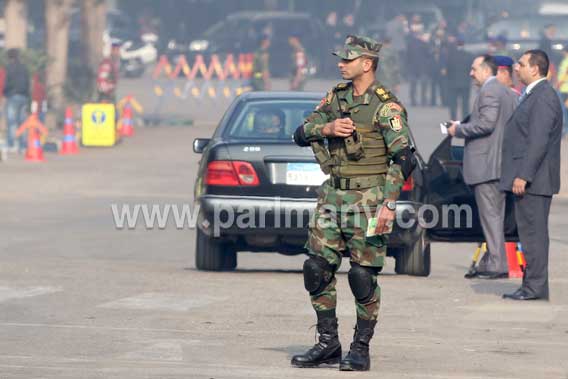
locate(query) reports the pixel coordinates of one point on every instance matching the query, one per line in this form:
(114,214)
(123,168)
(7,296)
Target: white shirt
(532,85)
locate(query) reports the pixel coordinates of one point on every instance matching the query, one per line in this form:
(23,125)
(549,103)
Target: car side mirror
(199,144)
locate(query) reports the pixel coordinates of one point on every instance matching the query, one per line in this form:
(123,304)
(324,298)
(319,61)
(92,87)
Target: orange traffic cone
(126,127)
(515,260)
(34,152)
(69,145)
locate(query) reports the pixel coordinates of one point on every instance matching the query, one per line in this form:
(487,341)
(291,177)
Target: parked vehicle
(243,170)
(521,33)
(136,55)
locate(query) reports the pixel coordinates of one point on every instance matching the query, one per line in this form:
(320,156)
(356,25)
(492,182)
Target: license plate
(304,174)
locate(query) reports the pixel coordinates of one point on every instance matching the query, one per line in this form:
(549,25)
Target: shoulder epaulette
(384,94)
(341,86)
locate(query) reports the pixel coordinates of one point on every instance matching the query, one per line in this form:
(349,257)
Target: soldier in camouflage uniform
(299,64)
(368,158)
(260,80)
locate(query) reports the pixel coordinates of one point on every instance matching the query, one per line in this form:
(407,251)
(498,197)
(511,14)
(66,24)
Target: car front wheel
(214,254)
(415,259)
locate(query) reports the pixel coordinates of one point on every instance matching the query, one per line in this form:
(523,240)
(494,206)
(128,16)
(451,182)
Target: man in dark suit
(483,133)
(531,169)
(458,83)
(419,63)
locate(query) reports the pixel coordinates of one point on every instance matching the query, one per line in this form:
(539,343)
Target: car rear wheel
(414,260)
(213,254)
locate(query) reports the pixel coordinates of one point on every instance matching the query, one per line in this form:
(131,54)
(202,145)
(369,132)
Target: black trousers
(452,97)
(438,87)
(531,214)
(417,80)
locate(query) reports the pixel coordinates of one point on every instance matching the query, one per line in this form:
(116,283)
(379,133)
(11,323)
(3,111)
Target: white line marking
(161,301)
(10,293)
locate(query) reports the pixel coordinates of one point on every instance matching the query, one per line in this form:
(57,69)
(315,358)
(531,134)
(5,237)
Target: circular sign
(98,117)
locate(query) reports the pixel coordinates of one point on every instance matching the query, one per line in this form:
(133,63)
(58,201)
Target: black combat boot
(358,357)
(326,351)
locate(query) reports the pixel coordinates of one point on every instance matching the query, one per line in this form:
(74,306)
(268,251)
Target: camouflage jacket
(390,118)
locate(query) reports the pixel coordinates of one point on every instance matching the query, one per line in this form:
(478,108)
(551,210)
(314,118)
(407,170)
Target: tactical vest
(335,160)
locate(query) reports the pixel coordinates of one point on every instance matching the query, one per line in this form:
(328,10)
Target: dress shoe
(492,275)
(472,273)
(520,294)
(326,351)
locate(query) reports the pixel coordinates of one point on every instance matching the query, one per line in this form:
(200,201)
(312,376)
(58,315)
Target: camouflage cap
(357,46)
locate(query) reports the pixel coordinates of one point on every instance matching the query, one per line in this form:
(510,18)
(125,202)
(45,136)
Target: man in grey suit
(483,134)
(531,169)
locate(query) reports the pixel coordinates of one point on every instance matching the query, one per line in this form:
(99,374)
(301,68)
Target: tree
(16,17)
(93,24)
(57,20)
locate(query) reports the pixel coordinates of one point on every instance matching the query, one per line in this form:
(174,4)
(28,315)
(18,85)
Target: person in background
(260,67)
(416,25)
(438,46)
(498,46)
(505,72)
(419,62)
(531,169)
(396,32)
(269,123)
(483,134)
(299,64)
(457,78)
(17,93)
(107,76)
(546,40)
(39,95)
(389,72)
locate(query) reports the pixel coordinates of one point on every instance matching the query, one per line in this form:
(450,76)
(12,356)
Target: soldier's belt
(357,183)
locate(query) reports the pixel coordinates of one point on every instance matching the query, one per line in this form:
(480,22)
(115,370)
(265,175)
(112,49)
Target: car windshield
(270,120)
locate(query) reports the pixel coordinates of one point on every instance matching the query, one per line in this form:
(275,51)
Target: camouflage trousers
(340,224)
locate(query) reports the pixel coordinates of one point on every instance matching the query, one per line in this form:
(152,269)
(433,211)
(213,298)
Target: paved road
(81,299)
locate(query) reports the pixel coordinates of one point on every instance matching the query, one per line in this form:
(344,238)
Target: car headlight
(558,46)
(172,44)
(198,45)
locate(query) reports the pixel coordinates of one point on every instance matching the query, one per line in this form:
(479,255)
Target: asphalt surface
(80,298)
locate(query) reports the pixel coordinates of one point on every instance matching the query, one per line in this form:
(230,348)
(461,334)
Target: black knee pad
(318,273)
(361,282)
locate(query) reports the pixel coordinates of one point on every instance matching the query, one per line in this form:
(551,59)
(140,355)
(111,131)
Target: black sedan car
(256,189)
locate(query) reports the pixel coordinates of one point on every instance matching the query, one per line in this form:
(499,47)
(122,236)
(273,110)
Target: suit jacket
(483,132)
(458,67)
(531,149)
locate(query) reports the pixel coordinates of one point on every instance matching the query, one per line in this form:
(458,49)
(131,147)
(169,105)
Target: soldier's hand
(341,127)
